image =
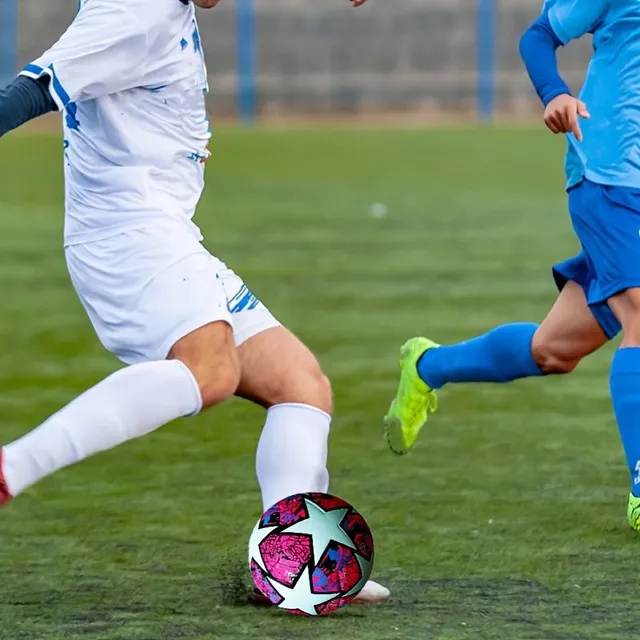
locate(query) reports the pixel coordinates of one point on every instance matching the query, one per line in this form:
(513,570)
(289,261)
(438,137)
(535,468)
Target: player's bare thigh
(626,307)
(276,368)
(210,354)
(569,333)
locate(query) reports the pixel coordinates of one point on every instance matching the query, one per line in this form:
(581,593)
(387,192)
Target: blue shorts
(606,220)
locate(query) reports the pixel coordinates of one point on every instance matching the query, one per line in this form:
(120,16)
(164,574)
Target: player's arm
(538,47)
(24,100)
(561,21)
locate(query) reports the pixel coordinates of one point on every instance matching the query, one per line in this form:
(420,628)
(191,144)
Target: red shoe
(258,598)
(5,496)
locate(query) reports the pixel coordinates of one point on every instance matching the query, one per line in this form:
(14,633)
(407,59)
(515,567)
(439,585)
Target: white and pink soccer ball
(311,554)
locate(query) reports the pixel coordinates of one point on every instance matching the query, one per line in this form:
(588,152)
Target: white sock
(128,404)
(292,452)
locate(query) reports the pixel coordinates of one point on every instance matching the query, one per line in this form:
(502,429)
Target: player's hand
(563,114)
(357,3)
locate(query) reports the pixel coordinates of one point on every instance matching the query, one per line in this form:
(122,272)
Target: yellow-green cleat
(414,401)
(633,512)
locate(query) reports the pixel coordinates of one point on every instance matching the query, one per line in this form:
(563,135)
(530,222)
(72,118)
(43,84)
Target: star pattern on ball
(300,597)
(323,527)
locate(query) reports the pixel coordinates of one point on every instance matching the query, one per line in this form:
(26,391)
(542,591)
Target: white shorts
(146,288)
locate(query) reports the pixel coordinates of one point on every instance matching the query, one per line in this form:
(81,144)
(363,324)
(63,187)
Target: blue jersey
(610,151)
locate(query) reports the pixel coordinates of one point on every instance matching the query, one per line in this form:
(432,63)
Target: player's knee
(320,391)
(308,385)
(211,356)
(217,380)
(552,358)
(219,386)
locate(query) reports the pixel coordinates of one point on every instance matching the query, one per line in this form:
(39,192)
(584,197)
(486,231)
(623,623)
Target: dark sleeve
(23,100)
(538,47)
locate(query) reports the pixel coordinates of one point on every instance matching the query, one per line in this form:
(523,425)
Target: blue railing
(485,56)
(246,59)
(246,54)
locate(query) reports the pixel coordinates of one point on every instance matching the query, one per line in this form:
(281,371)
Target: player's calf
(130,403)
(203,370)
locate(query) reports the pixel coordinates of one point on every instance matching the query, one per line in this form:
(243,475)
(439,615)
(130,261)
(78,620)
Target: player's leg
(145,308)
(571,331)
(281,374)
(128,404)
(605,219)
(624,383)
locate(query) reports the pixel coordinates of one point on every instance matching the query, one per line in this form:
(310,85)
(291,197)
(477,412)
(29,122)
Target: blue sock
(502,355)
(625,393)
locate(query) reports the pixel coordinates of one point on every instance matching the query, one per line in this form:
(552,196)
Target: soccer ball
(311,554)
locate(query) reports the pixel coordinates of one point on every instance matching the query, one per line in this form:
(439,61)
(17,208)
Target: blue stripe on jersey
(238,293)
(35,69)
(71,110)
(57,91)
(58,88)
(247,302)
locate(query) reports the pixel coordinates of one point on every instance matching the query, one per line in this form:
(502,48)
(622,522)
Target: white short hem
(189,327)
(269,323)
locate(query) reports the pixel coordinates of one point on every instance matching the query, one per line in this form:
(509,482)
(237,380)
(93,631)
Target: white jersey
(131,79)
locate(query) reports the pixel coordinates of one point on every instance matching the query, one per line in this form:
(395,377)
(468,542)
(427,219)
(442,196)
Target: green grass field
(507,522)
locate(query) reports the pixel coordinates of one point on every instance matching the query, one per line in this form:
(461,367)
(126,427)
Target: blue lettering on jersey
(197,44)
(198,157)
(183,44)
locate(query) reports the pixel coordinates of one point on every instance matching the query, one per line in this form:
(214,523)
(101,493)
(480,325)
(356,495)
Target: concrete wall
(323,56)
